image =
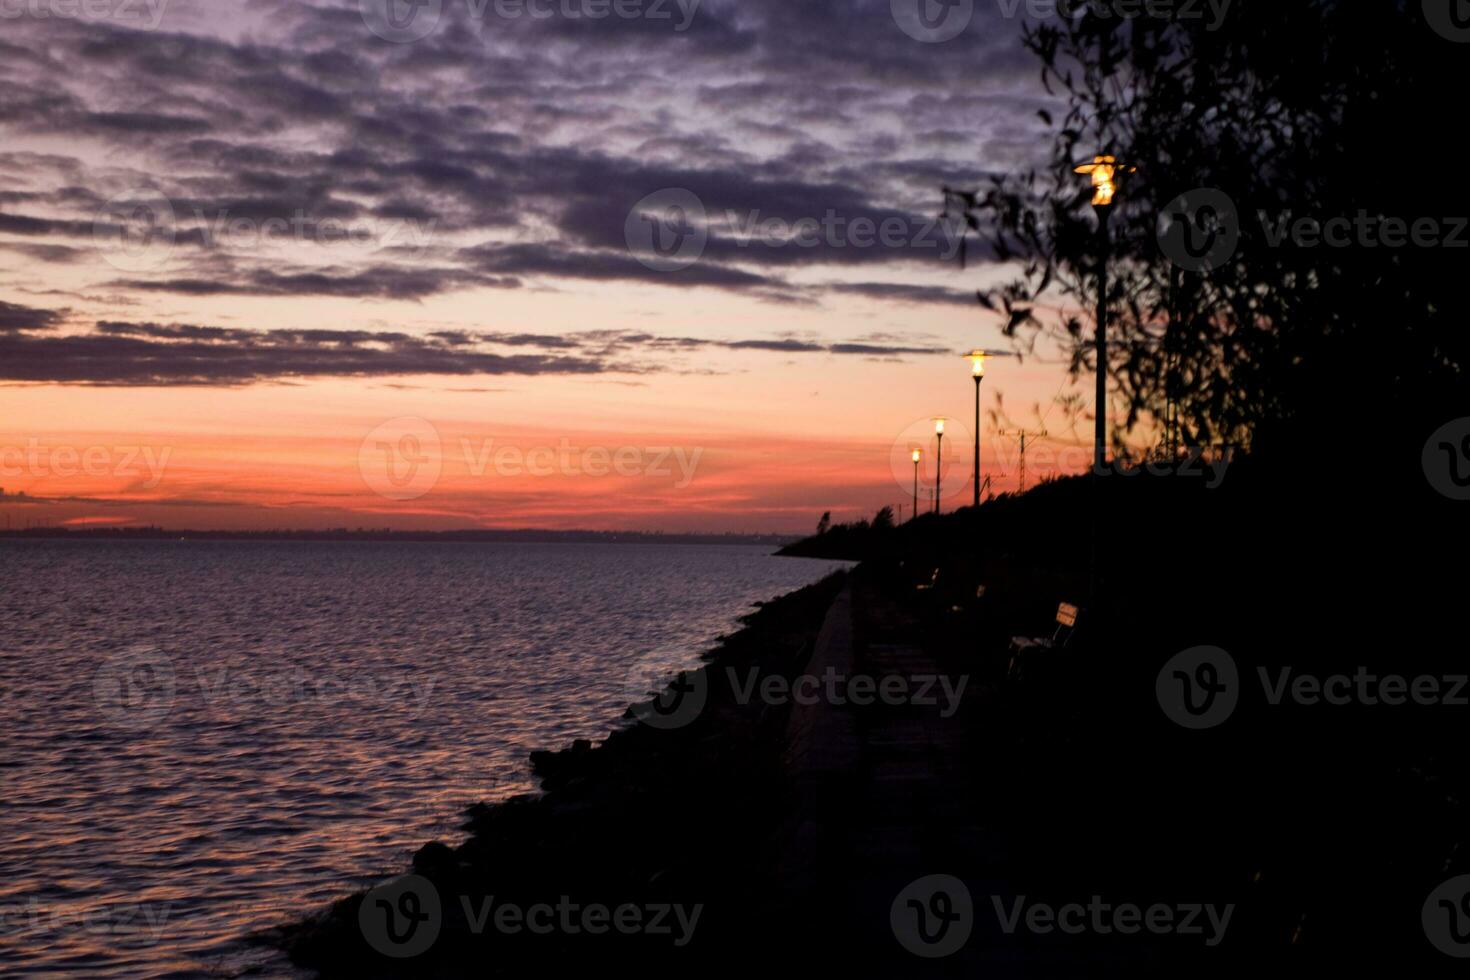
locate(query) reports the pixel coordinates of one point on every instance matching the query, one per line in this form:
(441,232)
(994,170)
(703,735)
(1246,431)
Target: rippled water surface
(202,739)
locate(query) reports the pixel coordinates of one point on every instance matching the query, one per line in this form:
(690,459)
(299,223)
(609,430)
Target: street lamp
(977,370)
(1104,171)
(917,456)
(938,459)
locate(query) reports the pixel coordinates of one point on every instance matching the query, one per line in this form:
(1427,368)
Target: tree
(825,523)
(883,520)
(1220,299)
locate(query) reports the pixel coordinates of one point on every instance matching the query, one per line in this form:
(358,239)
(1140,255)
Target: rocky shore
(658,844)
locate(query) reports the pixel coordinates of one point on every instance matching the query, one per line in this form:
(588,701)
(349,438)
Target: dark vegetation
(1327,825)
(1310,109)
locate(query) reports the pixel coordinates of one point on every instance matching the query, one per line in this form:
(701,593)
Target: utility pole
(1023,434)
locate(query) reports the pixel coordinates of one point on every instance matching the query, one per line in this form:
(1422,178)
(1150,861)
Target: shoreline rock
(683,817)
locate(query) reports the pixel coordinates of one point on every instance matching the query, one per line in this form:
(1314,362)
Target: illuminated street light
(977,370)
(917,456)
(1104,172)
(938,459)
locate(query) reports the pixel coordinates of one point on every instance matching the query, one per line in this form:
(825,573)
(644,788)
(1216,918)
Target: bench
(1024,646)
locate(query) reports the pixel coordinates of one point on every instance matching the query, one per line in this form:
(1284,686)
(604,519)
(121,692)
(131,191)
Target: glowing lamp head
(1104,172)
(977,362)
(939,427)
(916,454)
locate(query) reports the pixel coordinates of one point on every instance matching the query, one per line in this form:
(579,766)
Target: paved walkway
(886,794)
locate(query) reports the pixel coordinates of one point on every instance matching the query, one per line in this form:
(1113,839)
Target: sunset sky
(262,266)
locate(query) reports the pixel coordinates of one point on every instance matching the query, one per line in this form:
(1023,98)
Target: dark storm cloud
(522,144)
(379,282)
(142,353)
(904,292)
(14,317)
(154,354)
(54,254)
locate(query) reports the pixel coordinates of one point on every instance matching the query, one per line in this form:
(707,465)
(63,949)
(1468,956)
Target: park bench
(1023,647)
(926,586)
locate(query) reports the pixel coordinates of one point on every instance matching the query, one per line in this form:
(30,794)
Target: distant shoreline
(529,535)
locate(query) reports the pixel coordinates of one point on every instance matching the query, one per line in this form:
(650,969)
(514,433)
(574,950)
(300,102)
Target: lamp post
(1104,171)
(917,456)
(938,459)
(977,370)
